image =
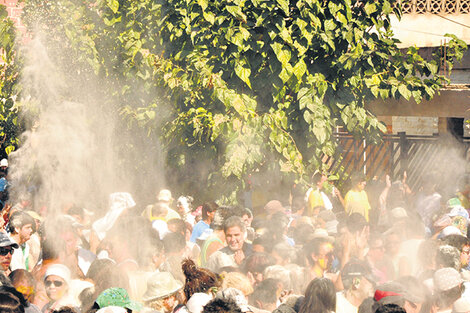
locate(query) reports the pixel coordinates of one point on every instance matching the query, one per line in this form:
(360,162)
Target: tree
(9,126)
(237,87)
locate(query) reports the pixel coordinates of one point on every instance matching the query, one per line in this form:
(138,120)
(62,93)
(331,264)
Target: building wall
(14,10)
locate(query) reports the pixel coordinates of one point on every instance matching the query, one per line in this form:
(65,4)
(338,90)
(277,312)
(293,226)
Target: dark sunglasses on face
(5,251)
(56,283)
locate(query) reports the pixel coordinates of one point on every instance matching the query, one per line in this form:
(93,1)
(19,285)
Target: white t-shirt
(343,305)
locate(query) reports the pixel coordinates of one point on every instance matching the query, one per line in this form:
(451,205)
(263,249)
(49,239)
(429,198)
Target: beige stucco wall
(450,103)
(428,30)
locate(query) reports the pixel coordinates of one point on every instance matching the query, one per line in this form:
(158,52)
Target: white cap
(450,230)
(59,270)
(4,162)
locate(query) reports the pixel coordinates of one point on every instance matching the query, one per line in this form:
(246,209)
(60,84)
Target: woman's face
(55,287)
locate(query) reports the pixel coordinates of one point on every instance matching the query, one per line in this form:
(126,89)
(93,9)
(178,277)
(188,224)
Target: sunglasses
(5,251)
(56,283)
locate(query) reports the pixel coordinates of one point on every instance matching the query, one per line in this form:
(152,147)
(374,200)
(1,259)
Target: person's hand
(284,295)
(239,256)
(331,276)
(336,191)
(388,182)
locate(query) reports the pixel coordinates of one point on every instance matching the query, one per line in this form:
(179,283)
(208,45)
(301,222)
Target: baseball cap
(393,292)
(5,241)
(117,297)
(357,268)
(453,202)
(458,211)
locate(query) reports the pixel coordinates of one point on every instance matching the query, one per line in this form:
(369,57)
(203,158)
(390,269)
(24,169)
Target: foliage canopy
(235,87)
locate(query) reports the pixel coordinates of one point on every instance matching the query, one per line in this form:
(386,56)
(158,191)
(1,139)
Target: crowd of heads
(382,247)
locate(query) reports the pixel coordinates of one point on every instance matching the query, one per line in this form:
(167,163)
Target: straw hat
(160,285)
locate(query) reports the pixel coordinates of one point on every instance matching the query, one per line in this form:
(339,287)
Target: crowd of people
(383,248)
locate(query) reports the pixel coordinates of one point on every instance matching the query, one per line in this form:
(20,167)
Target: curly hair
(222,306)
(198,279)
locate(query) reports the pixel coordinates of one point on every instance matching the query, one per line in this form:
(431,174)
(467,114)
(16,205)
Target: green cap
(117,297)
(453,202)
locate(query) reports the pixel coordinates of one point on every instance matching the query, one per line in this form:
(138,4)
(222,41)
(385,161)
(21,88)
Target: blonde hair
(156,304)
(237,281)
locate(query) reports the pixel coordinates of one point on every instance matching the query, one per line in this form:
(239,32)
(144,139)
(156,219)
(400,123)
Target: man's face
(377,250)
(392,244)
(235,238)
(361,185)
(247,220)
(25,232)
(366,288)
(71,242)
(180,209)
(5,257)
(323,179)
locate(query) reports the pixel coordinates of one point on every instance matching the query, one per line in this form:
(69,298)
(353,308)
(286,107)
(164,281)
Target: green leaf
(286,73)
(319,133)
(113,5)
(299,69)
(330,25)
(243,72)
(209,16)
(341,18)
(111,22)
(284,4)
(417,96)
(282,54)
(203,4)
(370,8)
(432,67)
(404,91)
(236,11)
(9,149)
(150,115)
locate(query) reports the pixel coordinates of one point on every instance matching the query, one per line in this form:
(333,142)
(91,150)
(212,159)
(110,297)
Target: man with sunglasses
(22,226)
(6,250)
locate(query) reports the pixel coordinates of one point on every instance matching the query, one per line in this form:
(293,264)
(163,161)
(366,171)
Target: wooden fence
(417,155)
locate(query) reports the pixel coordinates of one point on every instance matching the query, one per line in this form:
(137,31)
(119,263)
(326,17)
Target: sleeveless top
(205,246)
